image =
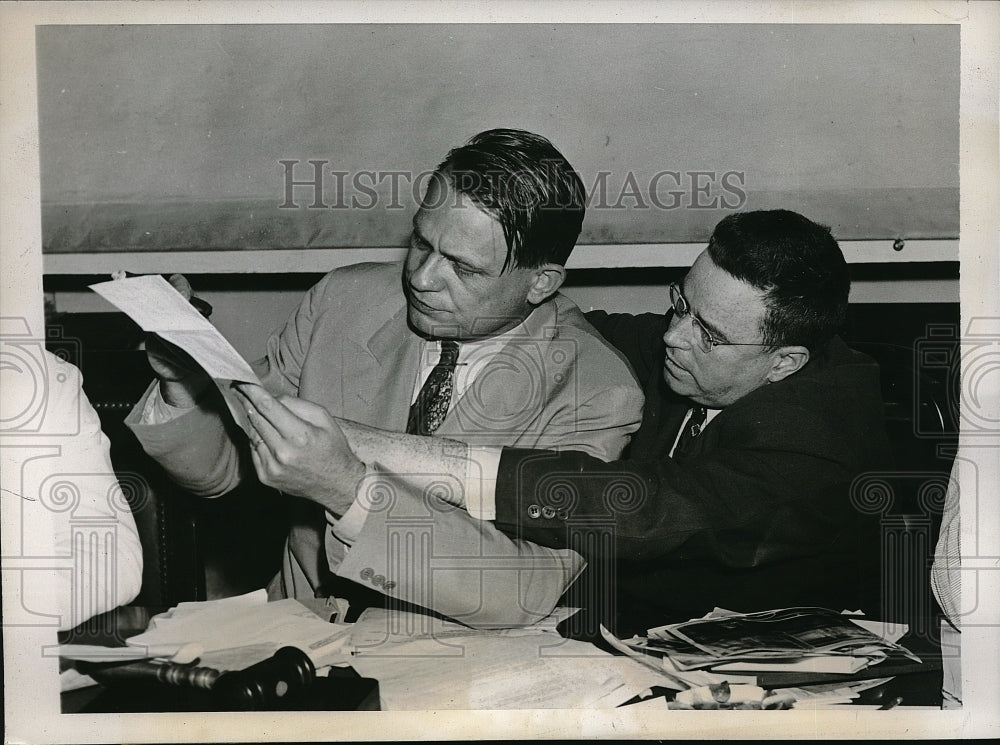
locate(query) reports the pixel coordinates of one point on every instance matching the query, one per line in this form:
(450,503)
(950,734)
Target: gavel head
(268,684)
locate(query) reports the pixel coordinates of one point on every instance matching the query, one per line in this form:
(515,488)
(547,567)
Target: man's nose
(427,276)
(678,333)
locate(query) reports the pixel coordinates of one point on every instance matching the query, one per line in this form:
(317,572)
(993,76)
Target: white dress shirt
(483,463)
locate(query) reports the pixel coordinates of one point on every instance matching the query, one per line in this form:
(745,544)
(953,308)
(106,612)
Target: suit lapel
(662,414)
(384,368)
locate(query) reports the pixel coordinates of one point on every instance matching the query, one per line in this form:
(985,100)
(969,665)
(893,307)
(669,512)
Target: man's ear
(548,278)
(785,361)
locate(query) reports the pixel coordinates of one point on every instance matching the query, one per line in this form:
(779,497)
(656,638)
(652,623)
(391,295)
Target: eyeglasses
(706,340)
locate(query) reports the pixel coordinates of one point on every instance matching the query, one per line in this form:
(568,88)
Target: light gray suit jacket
(348,347)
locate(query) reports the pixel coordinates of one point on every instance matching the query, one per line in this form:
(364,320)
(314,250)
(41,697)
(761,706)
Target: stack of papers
(240,631)
(814,640)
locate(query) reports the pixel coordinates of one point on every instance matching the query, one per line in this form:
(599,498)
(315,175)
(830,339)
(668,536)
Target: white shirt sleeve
(158,411)
(481,482)
(60,480)
(348,526)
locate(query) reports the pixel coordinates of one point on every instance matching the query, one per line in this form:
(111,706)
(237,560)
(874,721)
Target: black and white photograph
(393,371)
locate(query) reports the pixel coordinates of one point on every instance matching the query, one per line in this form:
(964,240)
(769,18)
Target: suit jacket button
(563,515)
(367,573)
(534,511)
(390,585)
(378,580)
(548,513)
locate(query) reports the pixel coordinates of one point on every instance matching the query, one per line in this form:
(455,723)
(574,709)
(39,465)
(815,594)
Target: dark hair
(528,186)
(796,263)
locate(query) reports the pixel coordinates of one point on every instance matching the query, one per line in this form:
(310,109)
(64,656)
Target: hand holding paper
(159,308)
(299,449)
(181,378)
(162,309)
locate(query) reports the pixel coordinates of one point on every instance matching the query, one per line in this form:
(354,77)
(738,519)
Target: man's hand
(182,380)
(298,448)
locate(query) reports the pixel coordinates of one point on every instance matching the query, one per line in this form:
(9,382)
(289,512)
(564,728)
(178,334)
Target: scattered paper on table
(261,628)
(673,677)
(892,632)
(841,664)
(423,662)
(505,672)
(845,691)
(70,679)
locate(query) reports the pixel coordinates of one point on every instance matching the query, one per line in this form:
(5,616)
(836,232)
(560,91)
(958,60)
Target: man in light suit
(469,338)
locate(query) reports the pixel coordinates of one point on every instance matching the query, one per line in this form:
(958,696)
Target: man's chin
(424,325)
(678,385)
(418,322)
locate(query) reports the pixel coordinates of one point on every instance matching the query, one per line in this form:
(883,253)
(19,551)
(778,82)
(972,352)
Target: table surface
(914,684)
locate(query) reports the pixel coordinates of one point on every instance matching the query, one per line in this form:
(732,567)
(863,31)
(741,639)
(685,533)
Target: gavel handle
(167,673)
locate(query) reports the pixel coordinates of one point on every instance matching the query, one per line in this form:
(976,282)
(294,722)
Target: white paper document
(489,669)
(891,632)
(505,672)
(157,307)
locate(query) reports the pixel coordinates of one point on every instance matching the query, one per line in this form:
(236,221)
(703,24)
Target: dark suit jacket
(756,513)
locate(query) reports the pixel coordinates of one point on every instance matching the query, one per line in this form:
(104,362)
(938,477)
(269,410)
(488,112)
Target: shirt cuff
(158,411)
(481,482)
(348,526)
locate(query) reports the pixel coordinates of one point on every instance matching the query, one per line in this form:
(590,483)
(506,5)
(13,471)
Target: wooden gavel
(265,685)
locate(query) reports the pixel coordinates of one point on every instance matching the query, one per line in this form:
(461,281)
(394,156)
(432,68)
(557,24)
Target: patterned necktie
(431,405)
(692,428)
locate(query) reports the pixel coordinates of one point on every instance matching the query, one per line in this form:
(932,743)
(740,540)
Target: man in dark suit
(737,488)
